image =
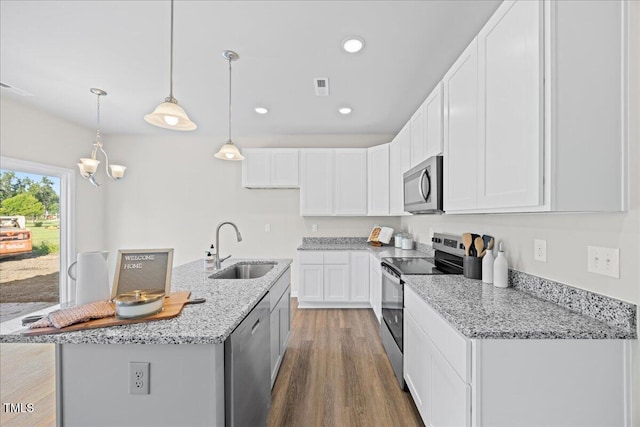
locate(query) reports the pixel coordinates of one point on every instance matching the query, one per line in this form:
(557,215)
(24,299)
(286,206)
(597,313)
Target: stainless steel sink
(243,270)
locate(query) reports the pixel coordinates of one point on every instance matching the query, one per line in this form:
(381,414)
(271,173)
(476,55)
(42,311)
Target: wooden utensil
(486,239)
(479,243)
(473,251)
(491,243)
(467,241)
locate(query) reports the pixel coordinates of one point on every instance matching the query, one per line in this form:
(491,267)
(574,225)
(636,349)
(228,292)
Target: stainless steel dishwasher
(247,376)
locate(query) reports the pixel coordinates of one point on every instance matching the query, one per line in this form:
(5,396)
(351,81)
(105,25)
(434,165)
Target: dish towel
(69,316)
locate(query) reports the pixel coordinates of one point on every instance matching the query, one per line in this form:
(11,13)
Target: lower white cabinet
(455,381)
(333,279)
(375,286)
(280,321)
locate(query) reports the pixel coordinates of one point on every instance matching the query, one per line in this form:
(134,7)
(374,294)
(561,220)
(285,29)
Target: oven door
(392,305)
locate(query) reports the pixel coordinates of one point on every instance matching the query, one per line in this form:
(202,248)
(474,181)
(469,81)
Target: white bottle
(501,269)
(208,260)
(487,266)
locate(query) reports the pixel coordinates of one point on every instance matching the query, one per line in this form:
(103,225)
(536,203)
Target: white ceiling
(57,50)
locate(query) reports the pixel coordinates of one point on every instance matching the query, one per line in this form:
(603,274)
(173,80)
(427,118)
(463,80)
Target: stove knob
(436,240)
(461,246)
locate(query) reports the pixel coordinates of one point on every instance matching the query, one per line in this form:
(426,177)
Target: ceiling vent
(321,85)
(15,89)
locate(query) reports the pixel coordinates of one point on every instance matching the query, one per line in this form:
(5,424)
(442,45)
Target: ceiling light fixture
(353,44)
(261,110)
(169,114)
(89,166)
(344,110)
(229,151)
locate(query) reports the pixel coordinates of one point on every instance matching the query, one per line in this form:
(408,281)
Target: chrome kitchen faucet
(216,257)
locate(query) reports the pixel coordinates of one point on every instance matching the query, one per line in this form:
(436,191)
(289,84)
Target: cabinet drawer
(310,257)
(335,257)
(453,346)
(280,287)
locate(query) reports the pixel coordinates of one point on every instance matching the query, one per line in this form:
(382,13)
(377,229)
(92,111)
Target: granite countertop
(227,304)
(360,244)
(478,310)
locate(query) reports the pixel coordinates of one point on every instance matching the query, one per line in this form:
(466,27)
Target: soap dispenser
(209,260)
(501,269)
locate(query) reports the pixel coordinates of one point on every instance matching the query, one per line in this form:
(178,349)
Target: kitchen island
(186,356)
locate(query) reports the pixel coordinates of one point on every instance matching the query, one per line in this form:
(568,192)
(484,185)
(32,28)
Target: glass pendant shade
(89,166)
(170,115)
(229,151)
(117,171)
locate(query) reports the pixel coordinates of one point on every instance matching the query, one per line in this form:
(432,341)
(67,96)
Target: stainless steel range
(447,260)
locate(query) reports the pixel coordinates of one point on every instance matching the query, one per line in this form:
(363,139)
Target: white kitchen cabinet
(510,133)
(461,131)
(316,182)
(456,381)
(521,130)
(375,286)
(359,285)
(399,163)
(418,123)
(350,181)
(280,321)
(434,119)
(378,179)
(333,279)
(270,168)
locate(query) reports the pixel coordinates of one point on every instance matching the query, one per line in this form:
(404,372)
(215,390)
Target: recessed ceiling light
(261,110)
(353,44)
(344,110)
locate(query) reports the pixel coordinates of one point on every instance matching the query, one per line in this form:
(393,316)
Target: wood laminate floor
(335,373)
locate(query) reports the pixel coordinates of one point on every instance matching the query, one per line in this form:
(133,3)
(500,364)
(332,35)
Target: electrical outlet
(605,261)
(267,228)
(540,250)
(139,377)
(314,228)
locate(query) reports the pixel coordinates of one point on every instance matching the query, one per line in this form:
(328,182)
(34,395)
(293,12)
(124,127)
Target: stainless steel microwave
(423,187)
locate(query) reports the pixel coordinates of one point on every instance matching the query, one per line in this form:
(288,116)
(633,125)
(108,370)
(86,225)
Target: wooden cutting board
(173,305)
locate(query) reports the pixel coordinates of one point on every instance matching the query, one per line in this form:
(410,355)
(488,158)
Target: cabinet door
(284,168)
(350,182)
(311,284)
(419,135)
(510,164)
(434,122)
(451,397)
(316,182)
(417,365)
(256,168)
(461,131)
(378,179)
(336,283)
(359,283)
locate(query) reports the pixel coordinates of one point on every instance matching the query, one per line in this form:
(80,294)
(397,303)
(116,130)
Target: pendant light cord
(171,56)
(230,99)
(98,119)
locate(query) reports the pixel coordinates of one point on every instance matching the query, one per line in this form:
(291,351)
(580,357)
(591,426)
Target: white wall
(175,194)
(30,134)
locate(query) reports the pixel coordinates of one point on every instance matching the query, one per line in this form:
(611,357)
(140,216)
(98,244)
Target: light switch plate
(604,261)
(314,228)
(267,228)
(540,250)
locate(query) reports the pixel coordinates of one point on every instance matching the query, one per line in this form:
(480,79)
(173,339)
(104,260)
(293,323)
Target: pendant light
(169,114)
(89,166)
(229,151)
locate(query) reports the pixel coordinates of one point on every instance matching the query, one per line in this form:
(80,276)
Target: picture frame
(142,269)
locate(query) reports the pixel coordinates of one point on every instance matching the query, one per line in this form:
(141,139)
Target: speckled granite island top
(360,244)
(227,304)
(479,310)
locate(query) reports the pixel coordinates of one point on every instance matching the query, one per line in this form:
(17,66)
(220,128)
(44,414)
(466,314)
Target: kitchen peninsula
(186,354)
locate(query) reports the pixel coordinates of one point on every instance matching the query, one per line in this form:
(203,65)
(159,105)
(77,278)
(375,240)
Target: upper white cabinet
(534,116)
(270,168)
(426,128)
(350,181)
(399,163)
(333,181)
(316,182)
(461,131)
(378,178)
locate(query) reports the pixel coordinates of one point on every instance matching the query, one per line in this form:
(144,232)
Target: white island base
(186,385)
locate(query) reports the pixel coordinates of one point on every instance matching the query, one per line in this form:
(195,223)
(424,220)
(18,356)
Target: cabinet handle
(255,326)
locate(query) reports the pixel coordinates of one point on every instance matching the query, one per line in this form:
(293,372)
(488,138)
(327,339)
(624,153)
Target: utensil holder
(472,267)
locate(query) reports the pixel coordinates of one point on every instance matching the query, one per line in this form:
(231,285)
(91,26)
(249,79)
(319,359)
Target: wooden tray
(173,305)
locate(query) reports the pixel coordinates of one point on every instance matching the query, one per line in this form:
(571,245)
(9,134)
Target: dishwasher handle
(255,326)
